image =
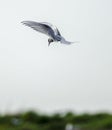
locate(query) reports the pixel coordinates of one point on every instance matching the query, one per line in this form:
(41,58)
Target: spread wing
(45,28)
(54,28)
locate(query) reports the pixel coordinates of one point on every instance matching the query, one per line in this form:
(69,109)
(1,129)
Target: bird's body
(46,28)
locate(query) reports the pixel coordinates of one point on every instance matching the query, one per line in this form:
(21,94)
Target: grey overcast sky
(56,78)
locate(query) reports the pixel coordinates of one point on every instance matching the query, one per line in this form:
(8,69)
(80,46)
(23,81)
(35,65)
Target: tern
(50,30)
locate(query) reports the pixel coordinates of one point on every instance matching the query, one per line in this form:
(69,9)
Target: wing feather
(43,27)
(54,28)
(37,26)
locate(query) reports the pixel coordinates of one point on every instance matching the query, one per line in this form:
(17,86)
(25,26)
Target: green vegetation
(34,121)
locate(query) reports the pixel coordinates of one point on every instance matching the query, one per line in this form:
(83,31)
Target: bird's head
(49,41)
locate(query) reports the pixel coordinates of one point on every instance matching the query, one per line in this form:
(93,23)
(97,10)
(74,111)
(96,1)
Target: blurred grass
(35,121)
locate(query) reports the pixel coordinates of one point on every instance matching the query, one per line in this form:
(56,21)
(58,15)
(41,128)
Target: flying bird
(50,30)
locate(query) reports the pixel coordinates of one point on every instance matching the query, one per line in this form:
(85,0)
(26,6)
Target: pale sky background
(56,78)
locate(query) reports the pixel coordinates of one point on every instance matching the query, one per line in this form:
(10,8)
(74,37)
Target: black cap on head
(49,41)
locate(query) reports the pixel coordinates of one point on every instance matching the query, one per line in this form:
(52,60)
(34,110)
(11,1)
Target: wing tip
(24,22)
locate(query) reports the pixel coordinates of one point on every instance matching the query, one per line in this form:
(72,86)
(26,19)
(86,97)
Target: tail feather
(63,41)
